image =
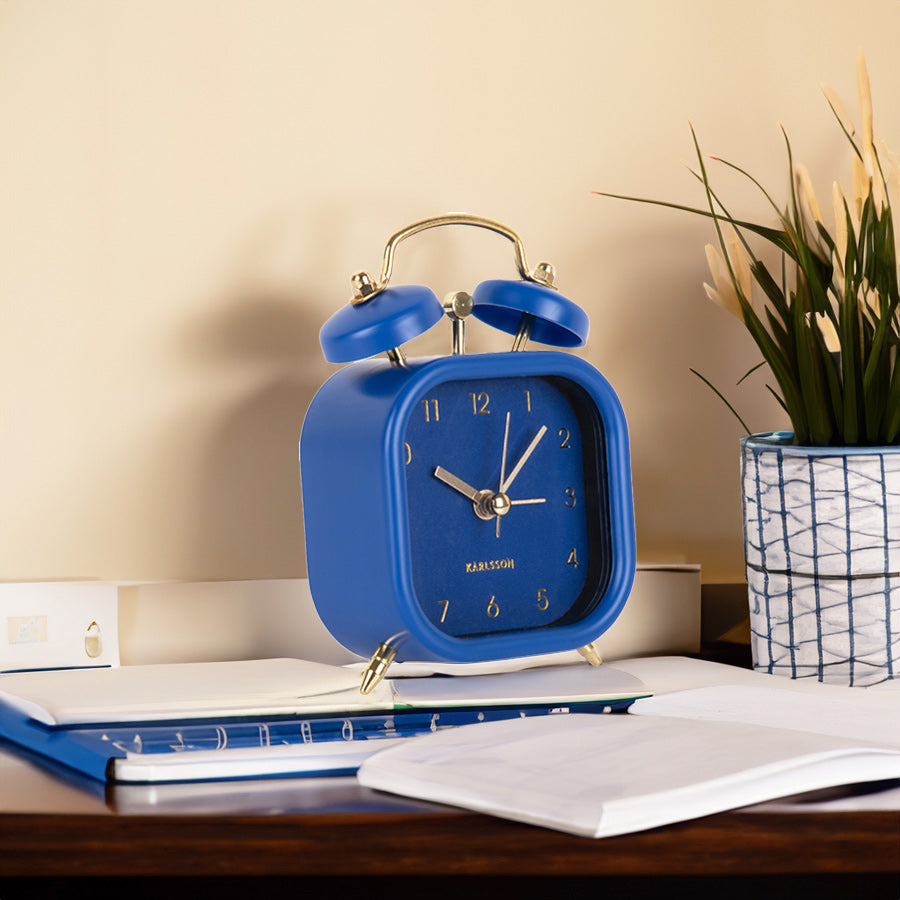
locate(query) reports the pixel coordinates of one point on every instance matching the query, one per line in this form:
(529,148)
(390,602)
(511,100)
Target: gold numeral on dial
(542,601)
(446,605)
(431,410)
(563,434)
(570,497)
(480,404)
(492,609)
(573,559)
(407,454)
(527,401)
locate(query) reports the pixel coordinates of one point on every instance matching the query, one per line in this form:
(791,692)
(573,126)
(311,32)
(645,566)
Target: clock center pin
(491,503)
(500,504)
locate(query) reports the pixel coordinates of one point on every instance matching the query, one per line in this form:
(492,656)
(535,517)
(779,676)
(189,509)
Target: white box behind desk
(222,620)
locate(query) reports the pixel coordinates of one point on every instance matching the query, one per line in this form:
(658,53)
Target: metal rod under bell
(523,332)
(459,337)
(458,307)
(395,355)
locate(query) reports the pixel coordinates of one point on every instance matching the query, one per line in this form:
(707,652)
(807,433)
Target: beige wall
(187,185)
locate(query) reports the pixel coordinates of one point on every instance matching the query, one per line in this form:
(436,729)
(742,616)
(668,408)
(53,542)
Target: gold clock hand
(524,458)
(503,458)
(457,484)
(513,503)
(503,464)
(486,504)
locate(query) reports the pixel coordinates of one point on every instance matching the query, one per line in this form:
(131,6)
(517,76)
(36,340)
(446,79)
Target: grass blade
(721,396)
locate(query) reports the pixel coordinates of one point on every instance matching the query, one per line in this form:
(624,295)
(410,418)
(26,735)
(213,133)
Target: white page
(876,796)
(415,669)
(604,775)
(249,762)
(663,674)
(283,687)
(847,712)
(183,690)
(556,684)
(288,796)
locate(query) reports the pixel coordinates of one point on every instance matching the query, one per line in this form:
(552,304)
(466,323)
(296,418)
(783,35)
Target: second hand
(503,464)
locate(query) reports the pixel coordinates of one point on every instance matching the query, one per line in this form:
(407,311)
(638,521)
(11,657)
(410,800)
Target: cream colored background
(187,185)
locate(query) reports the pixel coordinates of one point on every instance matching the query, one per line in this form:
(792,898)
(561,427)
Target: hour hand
(457,484)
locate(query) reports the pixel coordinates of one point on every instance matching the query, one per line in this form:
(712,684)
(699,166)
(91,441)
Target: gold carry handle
(364,288)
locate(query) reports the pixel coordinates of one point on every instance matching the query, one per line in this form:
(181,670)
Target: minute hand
(522,460)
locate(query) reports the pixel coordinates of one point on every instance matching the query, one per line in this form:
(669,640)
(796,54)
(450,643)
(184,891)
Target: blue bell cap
(386,320)
(558,321)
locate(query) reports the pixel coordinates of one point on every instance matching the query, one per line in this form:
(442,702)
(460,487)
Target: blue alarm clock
(467,507)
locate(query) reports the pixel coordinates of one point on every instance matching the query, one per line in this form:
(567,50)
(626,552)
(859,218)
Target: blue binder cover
(193,750)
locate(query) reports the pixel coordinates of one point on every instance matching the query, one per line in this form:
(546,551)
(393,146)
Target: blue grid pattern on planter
(822,547)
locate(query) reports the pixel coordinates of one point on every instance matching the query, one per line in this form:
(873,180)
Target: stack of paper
(598,776)
(673,757)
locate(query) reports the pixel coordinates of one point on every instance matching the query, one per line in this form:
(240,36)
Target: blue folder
(192,750)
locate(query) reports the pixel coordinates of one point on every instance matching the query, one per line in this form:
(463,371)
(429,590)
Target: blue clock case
(356,518)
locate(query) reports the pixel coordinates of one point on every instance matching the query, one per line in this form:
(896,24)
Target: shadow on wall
(226,496)
(245,513)
(246,498)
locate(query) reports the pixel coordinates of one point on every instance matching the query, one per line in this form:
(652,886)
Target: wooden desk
(292,831)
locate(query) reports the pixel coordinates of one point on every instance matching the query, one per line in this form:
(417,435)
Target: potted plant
(822,502)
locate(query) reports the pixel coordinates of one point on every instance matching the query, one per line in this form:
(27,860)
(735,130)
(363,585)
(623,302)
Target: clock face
(507,504)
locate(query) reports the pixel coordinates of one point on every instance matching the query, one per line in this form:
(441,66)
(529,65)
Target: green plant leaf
(721,396)
(747,374)
(849,136)
(850,397)
(892,420)
(772,235)
(812,381)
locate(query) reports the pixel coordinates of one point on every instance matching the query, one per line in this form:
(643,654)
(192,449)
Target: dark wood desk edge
(737,843)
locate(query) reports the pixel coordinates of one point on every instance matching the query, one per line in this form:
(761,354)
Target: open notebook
(196,721)
(673,757)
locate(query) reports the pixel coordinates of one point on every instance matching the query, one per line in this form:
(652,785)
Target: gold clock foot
(378,665)
(591,654)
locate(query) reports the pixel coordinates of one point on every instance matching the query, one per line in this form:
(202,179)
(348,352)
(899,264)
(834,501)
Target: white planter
(822,548)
